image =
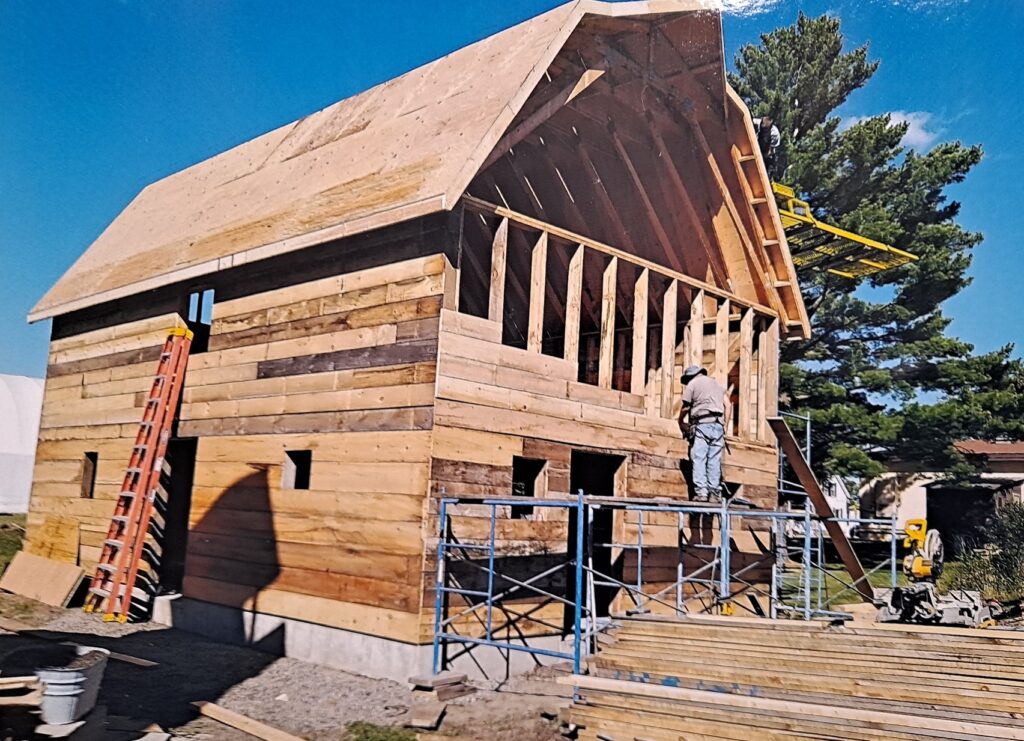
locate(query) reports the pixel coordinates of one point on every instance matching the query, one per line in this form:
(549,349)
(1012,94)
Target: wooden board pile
(736,678)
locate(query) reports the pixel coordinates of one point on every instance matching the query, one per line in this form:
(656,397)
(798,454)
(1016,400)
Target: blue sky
(99,98)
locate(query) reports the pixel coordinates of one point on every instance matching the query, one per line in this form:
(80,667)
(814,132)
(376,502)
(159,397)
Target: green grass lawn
(833,591)
(12,529)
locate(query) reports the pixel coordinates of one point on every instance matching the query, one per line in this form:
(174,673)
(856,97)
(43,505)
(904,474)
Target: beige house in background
(953,508)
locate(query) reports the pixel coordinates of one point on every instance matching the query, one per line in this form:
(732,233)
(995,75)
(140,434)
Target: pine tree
(880,376)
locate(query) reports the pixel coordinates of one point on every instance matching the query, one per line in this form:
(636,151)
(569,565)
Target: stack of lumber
(735,678)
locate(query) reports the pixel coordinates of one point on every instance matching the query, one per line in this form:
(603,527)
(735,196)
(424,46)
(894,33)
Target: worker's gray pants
(706,446)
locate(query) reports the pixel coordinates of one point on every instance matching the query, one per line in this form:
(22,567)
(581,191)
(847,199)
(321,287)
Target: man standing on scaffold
(703,420)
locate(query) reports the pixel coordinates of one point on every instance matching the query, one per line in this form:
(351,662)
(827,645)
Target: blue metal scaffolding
(798,586)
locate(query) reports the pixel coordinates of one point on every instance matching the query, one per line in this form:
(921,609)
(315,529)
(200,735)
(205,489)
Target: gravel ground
(310,701)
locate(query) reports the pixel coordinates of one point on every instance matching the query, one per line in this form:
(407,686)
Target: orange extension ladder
(118,567)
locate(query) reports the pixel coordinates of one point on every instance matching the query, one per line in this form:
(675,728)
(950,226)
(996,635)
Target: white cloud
(742,7)
(922,129)
(756,7)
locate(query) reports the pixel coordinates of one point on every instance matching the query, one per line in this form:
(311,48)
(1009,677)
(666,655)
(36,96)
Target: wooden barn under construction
(478,279)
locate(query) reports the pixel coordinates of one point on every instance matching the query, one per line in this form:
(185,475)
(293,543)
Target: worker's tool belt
(706,418)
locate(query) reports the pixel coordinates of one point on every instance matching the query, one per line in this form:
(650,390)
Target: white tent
(21,400)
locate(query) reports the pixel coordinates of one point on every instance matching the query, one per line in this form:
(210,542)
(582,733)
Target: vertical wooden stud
(638,374)
(605,368)
(695,354)
(722,343)
(668,347)
(499,254)
(573,299)
(538,282)
(452,276)
(746,350)
(767,375)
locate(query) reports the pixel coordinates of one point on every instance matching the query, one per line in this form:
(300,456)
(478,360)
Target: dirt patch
(310,701)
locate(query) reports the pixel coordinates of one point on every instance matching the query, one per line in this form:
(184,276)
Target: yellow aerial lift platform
(815,244)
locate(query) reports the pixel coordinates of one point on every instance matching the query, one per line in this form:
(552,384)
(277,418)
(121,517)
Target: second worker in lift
(702,420)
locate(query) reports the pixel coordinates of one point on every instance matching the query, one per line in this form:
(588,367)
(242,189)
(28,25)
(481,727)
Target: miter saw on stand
(920,601)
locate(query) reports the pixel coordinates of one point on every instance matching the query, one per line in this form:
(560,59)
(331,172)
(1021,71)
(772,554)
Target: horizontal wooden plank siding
(342,367)
(91,404)
(496,403)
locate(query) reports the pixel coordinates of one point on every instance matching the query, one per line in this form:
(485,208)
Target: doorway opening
(597,474)
(174,511)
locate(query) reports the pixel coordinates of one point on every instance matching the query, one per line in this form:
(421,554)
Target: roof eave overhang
(360,225)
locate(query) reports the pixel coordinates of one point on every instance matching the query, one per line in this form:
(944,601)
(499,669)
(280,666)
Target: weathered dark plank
(363,357)
(400,312)
(482,474)
(127,357)
(379,420)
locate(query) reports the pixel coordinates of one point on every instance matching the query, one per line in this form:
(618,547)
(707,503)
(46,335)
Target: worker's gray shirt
(705,396)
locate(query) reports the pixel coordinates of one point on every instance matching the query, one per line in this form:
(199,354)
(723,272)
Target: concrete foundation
(371,656)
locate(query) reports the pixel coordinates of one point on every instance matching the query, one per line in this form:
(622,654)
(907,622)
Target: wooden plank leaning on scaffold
(805,476)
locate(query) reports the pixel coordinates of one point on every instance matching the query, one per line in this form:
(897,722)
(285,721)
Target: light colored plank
(695,346)
(471,326)
(772,370)
(50,582)
(56,539)
(243,723)
(668,347)
(499,255)
(574,296)
(452,278)
(538,282)
(362,618)
(474,446)
(513,357)
(746,350)
(721,373)
(606,362)
(638,374)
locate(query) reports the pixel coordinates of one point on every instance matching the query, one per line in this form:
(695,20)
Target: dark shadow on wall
(232,554)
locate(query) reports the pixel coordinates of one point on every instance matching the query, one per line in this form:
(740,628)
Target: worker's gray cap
(693,370)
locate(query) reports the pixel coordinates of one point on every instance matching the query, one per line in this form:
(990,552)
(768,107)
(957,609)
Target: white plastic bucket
(70,693)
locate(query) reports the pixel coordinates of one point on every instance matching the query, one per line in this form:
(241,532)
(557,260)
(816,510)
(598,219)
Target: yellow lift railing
(815,244)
